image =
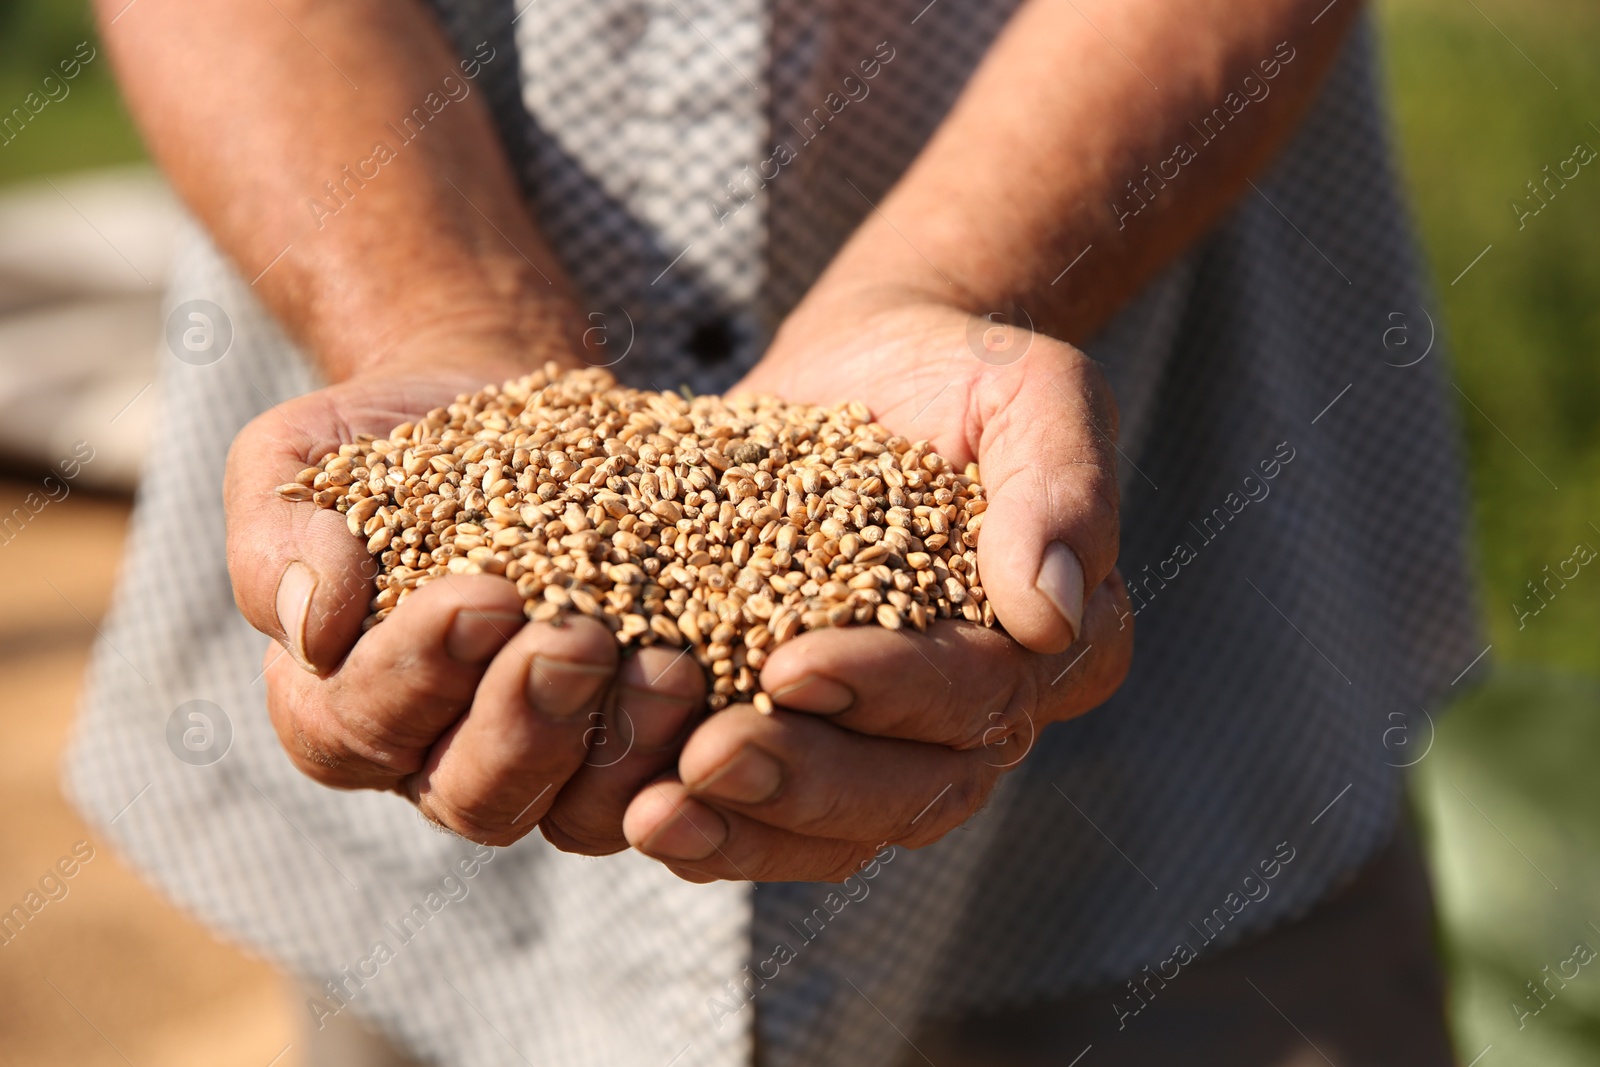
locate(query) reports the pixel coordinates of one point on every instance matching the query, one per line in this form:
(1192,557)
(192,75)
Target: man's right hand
(485,722)
(489,724)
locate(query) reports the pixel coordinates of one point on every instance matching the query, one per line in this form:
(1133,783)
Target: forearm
(417,249)
(1061,143)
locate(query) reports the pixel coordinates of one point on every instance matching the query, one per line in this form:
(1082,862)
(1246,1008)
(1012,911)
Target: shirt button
(624,29)
(712,341)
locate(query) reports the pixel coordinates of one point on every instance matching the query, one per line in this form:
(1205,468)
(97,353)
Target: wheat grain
(726,525)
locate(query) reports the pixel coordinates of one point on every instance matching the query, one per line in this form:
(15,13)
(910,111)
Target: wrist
(875,342)
(494,342)
(864,310)
(866,278)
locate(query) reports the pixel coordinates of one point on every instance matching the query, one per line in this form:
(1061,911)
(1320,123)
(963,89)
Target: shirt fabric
(1292,530)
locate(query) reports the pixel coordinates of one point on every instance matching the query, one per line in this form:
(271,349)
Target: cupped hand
(892,736)
(489,724)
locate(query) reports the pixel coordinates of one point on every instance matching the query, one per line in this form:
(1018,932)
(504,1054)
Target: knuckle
(385,743)
(326,765)
(475,821)
(957,803)
(696,875)
(582,841)
(854,856)
(1114,672)
(323,770)
(1102,402)
(302,732)
(327,748)
(1006,710)
(1097,465)
(1106,489)
(1115,677)
(1101,495)
(1105,664)
(824,815)
(391,730)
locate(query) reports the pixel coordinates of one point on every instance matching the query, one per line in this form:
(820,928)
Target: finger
(298,574)
(1048,462)
(941,686)
(803,774)
(373,720)
(958,684)
(700,843)
(646,717)
(493,776)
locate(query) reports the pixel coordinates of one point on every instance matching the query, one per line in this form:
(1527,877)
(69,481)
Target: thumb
(298,574)
(1047,456)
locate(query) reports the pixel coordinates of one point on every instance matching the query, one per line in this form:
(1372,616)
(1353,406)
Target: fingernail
(750,777)
(814,693)
(295,590)
(1061,581)
(475,636)
(560,688)
(683,838)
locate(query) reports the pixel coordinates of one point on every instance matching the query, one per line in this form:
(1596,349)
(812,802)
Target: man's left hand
(898,737)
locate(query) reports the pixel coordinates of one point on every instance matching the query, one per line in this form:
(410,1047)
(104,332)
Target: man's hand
(428,281)
(1036,190)
(894,736)
(490,725)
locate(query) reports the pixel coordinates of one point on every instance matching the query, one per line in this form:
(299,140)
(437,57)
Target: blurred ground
(108,973)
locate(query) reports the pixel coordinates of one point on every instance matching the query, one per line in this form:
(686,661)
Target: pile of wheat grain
(724,525)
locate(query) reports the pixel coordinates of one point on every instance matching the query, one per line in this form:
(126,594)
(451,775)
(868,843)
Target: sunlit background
(1485,94)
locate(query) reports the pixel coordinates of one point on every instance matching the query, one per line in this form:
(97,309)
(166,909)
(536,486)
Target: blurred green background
(1485,94)
(86,129)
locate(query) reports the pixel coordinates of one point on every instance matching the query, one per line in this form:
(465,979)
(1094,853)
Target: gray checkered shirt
(1293,626)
